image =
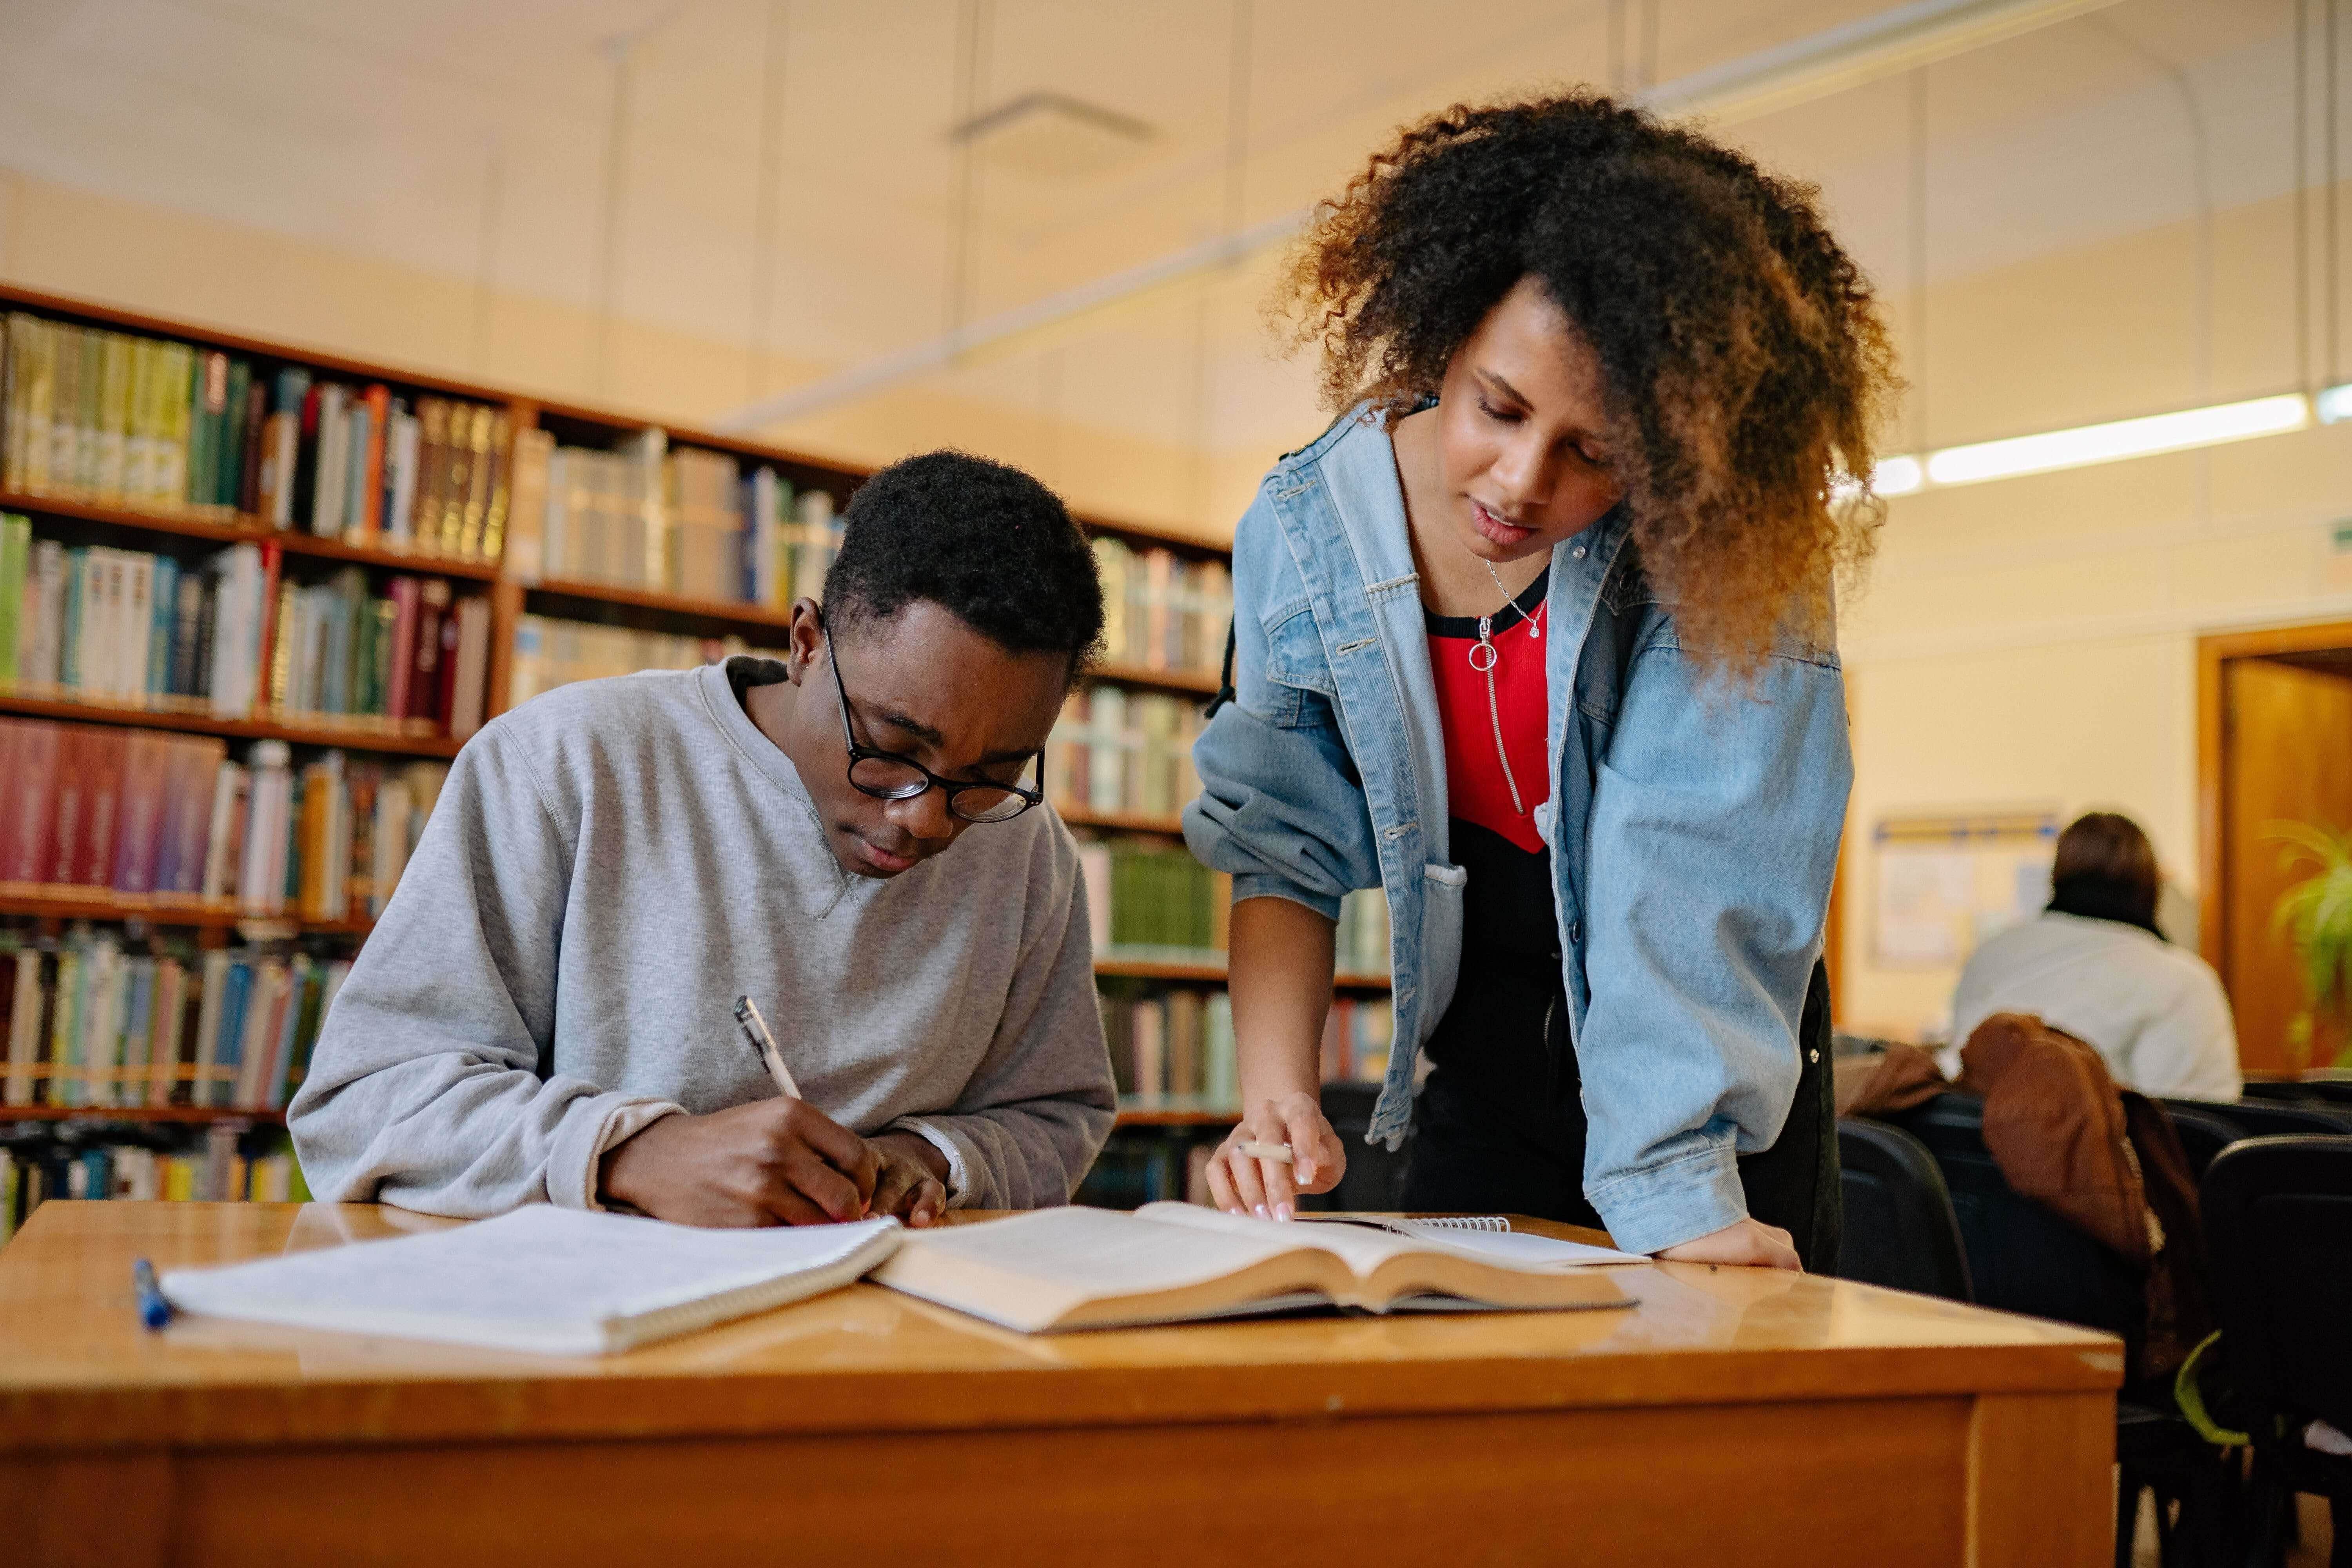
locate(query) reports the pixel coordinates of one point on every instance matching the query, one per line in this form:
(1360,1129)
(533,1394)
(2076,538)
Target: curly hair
(981,538)
(1744,366)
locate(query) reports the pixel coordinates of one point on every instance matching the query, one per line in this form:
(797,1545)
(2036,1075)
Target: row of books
(1161,611)
(235,640)
(145,816)
(1176,1042)
(92,1022)
(1361,946)
(1113,750)
(45,1163)
(1150,1164)
(120,419)
(1146,898)
(685,520)
(1180,1042)
(551,652)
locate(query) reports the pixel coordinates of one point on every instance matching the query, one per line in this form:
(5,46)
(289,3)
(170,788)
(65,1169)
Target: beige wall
(2031,642)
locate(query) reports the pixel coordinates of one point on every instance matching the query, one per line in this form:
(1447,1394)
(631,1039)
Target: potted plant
(2316,914)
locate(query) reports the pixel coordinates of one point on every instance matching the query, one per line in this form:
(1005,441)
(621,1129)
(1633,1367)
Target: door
(2275,745)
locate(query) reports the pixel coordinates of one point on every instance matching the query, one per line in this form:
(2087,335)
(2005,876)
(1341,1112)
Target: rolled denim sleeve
(1716,819)
(1281,806)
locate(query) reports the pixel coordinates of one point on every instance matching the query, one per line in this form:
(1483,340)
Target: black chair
(2203,1134)
(2286,1089)
(2278,1227)
(1900,1231)
(2023,1259)
(2270,1117)
(2331,1090)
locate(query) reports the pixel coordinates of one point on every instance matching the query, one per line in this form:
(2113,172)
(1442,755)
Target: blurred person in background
(2095,964)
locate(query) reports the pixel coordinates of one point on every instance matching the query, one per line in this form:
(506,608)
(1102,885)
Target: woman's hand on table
(1749,1243)
(1243,1183)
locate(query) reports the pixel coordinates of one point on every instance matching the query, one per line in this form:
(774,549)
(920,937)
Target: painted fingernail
(1282,1211)
(1262,1214)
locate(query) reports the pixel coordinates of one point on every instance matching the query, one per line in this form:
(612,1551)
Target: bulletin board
(1946,882)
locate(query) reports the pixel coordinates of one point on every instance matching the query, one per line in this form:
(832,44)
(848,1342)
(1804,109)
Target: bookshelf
(133,1114)
(350,738)
(1165,662)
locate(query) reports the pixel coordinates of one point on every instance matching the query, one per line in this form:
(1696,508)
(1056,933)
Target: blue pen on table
(154,1310)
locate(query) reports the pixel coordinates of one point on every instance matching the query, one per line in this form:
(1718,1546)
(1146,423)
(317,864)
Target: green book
(229,462)
(70,657)
(16,560)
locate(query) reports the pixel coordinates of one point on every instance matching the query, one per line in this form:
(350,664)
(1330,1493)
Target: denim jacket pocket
(1441,942)
(1294,664)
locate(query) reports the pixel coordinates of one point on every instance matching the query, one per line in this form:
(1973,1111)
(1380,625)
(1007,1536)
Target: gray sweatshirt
(607,868)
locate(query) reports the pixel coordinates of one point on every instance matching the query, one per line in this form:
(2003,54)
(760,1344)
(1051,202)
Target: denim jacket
(1693,823)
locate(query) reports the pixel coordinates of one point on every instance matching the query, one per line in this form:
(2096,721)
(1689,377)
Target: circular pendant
(1534,632)
(1488,649)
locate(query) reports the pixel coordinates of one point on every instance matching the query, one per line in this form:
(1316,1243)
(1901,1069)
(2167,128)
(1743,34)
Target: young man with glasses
(545,1013)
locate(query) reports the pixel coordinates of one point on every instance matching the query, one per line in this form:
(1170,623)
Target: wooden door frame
(2212,652)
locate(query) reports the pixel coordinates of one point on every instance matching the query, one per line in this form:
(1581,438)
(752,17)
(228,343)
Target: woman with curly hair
(1537,638)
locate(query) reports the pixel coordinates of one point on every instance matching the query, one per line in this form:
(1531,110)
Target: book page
(1518,1249)
(1080,1254)
(539,1279)
(1361,1250)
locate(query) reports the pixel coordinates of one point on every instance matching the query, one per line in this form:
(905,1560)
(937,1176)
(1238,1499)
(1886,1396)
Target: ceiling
(508,142)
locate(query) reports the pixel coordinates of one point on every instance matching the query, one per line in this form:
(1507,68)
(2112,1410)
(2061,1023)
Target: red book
(69,796)
(272,560)
(425,682)
(369,521)
(404,647)
(103,756)
(138,838)
(445,706)
(24,794)
(32,826)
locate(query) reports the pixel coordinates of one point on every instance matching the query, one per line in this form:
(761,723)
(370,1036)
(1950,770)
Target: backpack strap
(1225,681)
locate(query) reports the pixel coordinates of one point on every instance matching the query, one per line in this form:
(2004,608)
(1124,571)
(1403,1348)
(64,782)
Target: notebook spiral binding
(1491,1223)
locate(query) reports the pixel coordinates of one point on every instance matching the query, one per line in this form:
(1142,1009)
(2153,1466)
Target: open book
(563,1281)
(1169,1262)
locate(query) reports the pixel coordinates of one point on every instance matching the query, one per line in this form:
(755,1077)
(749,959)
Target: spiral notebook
(557,1281)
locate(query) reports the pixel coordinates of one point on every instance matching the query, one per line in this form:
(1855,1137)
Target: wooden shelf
(350,737)
(101,905)
(137,1113)
(1203,683)
(1210,972)
(240,529)
(1121,821)
(1175,1110)
(732,613)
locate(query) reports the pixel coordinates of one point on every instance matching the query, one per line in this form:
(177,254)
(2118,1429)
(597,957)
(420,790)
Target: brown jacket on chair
(2104,1160)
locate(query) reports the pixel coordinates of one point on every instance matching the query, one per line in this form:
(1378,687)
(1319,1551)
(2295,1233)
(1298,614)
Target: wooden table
(1733,1416)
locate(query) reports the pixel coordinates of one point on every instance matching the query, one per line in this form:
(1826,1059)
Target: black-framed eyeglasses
(887,775)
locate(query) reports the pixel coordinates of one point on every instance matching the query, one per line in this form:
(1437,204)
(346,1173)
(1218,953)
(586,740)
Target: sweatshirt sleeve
(1031,1121)
(426,1087)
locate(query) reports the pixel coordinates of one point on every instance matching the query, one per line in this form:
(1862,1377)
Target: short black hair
(981,539)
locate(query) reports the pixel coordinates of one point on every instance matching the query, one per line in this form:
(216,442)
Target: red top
(1475,788)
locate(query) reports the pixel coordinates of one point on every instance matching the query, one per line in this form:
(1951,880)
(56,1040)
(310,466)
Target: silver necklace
(1486,645)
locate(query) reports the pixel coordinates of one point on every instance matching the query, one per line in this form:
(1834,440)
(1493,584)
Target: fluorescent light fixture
(2122,439)
(1897,476)
(2335,404)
